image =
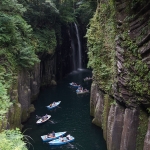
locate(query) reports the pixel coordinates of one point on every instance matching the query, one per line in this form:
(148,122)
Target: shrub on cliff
(15,35)
(12,140)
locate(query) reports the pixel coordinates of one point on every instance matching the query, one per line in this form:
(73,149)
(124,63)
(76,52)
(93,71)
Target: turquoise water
(72,115)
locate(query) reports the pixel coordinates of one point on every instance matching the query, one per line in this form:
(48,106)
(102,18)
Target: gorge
(36,50)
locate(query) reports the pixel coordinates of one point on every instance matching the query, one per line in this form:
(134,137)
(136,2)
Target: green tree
(12,139)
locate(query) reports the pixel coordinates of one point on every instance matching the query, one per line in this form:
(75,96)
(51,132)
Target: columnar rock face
(129,133)
(97,102)
(28,86)
(14,116)
(35,81)
(132,53)
(48,71)
(123,123)
(24,93)
(130,79)
(110,123)
(29,82)
(93,101)
(117,127)
(25,89)
(147,138)
(98,118)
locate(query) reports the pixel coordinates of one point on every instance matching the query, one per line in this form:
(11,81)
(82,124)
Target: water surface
(72,115)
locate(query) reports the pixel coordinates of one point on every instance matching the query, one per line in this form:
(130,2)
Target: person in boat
(68,137)
(80,87)
(85,90)
(86,78)
(50,105)
(73,83)
(53,134)
(61,138)
(49,135)
(43,118)
(54,103)
(46,116)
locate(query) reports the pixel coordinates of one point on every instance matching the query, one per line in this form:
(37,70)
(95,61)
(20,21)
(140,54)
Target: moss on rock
(107,104)
(25,115)
(53,82)
(31,108)
(93,99)
(142,129)
(15,116)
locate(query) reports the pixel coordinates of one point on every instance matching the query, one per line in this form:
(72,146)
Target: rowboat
(82,91)
(43,119)
(87,79)
(74,85)
(61,141)
(53,105)
(46,138)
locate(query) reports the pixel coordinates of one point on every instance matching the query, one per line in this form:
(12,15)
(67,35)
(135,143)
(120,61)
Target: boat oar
(51,121)
(58,107)
(38,117)
(71,144)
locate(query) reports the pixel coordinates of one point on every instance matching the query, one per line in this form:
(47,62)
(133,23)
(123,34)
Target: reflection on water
(72,115)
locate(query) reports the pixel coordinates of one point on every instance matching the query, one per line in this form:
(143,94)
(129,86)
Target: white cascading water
(73,47)
(79,48)
(73,55)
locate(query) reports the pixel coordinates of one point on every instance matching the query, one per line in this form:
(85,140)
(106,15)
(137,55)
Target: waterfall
(79,47)
(74,59)
(73,49)
(76,47)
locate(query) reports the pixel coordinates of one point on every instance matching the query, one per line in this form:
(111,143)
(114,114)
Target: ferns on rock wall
(100,41)
(106,35)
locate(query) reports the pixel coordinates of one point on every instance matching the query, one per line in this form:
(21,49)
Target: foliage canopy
(27,29)
(12,139)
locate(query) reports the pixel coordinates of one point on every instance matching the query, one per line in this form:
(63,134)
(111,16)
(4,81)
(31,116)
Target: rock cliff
(25,89)
(123,128)
(120,91)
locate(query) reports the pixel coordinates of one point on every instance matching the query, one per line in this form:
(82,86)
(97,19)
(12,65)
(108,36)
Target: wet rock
(31,108)
(98,115)
(93,98)
(110,123)
(53,82)
(117,127)
(129,133)
(147,138)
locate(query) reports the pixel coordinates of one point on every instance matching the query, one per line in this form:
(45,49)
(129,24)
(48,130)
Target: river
(72,115)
